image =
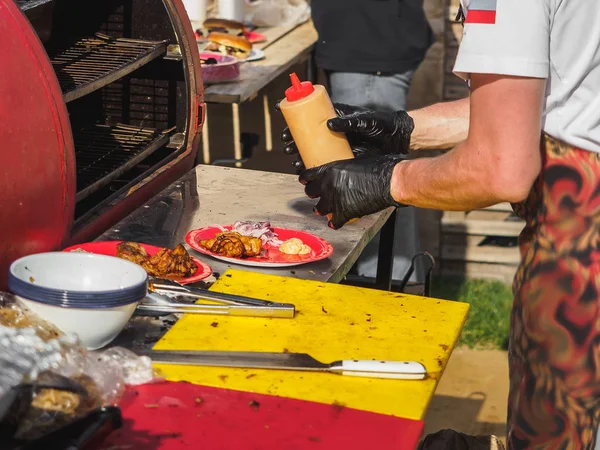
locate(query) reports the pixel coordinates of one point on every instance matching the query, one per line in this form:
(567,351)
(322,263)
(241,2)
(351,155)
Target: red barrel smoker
(101,107)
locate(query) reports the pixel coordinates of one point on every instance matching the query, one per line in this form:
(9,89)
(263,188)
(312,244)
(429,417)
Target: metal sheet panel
(37,182)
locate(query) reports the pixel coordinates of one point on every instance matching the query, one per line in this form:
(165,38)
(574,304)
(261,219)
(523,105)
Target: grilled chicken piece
(230,245)
(132,251)
(210,243)
(173,263)
(166,263)
(180,251)
(252,246)
(233,245)
(225,244)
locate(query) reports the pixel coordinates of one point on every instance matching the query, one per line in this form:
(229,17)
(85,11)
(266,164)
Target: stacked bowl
(91,295)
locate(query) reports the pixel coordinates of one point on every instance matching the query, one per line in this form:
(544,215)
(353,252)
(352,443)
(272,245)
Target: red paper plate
(255,37)
(109,248)
(321,249)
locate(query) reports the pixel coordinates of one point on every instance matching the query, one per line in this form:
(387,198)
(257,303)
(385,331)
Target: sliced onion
(261,230)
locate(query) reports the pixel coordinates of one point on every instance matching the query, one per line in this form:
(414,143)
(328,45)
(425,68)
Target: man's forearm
(440,126)
(441,183)
(456,181)
(499,158)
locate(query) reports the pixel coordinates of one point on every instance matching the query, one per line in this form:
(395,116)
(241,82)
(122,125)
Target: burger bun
(237,46)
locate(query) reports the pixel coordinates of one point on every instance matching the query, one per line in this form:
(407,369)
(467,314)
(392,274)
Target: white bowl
(88,294)
(78,274)
(96,328)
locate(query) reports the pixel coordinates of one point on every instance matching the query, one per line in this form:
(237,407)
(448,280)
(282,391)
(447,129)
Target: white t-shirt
(554,39)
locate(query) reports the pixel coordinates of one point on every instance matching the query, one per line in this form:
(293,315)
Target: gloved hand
(351,188)
(368,132)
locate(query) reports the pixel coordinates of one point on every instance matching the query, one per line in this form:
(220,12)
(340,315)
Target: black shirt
(371,36)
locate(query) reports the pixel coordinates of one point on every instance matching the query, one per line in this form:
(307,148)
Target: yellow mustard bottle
(306,110)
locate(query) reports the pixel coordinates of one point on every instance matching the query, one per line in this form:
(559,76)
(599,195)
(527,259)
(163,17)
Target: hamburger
(224,26)
(228,44)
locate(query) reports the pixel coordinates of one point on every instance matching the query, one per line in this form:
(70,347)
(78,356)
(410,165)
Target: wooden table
(285,47)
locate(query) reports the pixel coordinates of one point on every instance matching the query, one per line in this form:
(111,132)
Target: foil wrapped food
(33,351)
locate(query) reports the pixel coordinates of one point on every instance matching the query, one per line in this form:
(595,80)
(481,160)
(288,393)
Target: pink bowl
(226,69)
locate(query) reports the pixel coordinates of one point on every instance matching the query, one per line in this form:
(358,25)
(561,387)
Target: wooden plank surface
(273,34)
(478,214)
(478,270)
(492,222)
(280,55)
(470,250)
(482,227)
(504,207)
(334,322)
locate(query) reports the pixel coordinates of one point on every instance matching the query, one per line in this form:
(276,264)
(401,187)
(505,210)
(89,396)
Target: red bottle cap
(299,90)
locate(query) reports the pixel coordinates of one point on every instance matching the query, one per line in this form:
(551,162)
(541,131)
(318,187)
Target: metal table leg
(312,71)
(205,140)
(427,283)
(385,260)
(237,143)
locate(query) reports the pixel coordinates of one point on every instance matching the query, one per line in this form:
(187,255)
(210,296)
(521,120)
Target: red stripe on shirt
(478,16)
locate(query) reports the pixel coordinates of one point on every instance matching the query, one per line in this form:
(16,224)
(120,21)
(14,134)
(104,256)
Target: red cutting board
(173,416)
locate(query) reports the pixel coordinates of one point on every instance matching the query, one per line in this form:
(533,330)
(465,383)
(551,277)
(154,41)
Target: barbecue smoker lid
(37,156)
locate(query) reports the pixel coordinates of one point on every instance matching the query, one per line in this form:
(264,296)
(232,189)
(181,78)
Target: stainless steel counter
(210,195)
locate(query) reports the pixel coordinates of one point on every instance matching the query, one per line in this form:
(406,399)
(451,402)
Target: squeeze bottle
(306,110)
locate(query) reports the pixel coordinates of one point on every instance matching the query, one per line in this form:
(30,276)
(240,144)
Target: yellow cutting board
(333,322)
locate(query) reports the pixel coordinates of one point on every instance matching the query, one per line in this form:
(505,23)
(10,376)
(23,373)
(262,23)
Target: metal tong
(233,305)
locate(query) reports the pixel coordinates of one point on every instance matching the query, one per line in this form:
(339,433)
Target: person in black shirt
(377,38)
(369,50)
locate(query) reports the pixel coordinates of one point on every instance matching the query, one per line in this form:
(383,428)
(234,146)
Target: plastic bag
(135,369)
(31,350)
(277,13)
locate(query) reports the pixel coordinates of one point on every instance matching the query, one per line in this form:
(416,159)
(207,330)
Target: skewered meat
(166,263)
(233,245)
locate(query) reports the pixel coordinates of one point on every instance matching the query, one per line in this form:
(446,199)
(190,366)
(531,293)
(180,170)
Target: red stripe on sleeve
(478,16)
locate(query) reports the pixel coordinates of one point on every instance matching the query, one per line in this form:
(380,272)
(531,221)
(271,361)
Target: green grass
(488,322)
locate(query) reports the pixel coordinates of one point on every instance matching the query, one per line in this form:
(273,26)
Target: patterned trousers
(554,354)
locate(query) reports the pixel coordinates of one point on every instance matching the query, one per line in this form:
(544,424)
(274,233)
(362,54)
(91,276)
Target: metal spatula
(406,370)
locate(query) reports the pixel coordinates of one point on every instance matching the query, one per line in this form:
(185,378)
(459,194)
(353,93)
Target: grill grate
(91,63)
(103,153)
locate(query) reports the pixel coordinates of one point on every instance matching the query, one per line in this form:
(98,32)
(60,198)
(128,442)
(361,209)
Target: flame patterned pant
(554,354)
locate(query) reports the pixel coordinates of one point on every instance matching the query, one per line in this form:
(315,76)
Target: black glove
(368,132)
(352,188)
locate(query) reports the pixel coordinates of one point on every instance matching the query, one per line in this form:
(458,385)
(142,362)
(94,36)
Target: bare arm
(440,126)
(498,161)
